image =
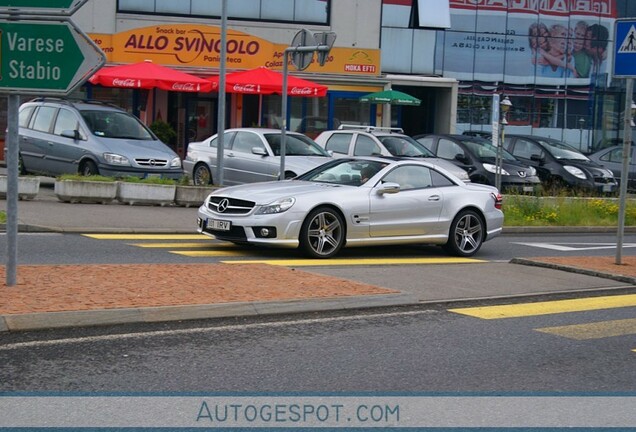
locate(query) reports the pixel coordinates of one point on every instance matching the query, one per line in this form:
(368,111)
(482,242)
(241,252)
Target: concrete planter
(146,193)
(80,191)
(28,187)
(188,196)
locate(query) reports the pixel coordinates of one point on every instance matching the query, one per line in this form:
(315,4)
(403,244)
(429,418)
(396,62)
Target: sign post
(625,67)
(41,52)
(302,56)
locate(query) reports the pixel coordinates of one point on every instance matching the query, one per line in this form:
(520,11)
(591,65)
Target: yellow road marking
(199,254)
(182,245)
(360,261)
(551,307)
(595,330)
(147,236)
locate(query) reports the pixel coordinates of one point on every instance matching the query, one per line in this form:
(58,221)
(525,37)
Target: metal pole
(283,129)
(13,106)
(221,111)
(627,139)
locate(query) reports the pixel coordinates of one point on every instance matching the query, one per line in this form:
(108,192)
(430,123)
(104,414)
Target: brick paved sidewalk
(46,288)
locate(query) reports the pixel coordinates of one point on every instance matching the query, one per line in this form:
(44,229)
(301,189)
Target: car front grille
(235,234)
(603,180)
(223,205)
(152,162)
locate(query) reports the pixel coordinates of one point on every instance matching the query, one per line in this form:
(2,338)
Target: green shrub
(79,177)
(164,131)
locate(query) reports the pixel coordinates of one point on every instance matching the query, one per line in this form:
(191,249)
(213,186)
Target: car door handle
(231,155)
(434,198)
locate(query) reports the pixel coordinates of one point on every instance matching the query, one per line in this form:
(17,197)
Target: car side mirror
(70,133)
(259,151)
(537,158)
(462,158)
(388,188)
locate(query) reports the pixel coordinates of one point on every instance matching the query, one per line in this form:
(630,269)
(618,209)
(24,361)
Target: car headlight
(576,172)
(175,163)
(278,206)
(115,159)
(493,169)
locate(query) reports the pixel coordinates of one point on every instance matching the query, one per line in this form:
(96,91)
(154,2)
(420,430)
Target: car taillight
(498,200)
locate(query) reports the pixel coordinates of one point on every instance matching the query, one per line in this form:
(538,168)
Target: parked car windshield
(485,151)
(344,172)
(295,145)
(404,146)
(115,124)
(563,151)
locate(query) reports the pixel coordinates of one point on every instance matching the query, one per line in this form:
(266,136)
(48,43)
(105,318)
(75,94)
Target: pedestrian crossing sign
(625,52)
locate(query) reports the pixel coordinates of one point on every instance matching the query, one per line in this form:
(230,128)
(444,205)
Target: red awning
(148,75)
(263,81)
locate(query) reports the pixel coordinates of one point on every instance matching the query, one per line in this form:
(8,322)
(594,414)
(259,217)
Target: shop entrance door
(201,114)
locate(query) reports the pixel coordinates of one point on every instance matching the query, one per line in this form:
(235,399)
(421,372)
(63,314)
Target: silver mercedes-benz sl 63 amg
(368,201)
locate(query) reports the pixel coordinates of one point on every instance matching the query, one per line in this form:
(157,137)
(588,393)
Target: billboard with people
(544,42)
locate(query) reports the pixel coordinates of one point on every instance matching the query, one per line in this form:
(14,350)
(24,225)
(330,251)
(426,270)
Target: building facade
(550,57)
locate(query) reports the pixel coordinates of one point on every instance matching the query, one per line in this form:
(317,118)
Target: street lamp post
(630,109)
(505,106)
(581,124)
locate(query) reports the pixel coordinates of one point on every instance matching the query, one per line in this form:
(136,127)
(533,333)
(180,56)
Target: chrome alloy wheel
(467,234)
(322,235)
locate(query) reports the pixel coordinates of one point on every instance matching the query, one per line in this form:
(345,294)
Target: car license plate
(528,189)
(608,188)
(219,225)
(153,175)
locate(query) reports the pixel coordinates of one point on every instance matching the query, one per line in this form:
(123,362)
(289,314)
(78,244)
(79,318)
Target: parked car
(478,157)
(330,207)
(355,140)
(252,155)
(560,165)
(612,158)
(60,136)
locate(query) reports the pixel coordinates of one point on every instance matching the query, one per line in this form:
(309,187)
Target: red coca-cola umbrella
(263,81)
(148,75)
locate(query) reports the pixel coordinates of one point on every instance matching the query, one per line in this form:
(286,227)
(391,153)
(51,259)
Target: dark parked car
(478,157)
(612,158)
(561,165)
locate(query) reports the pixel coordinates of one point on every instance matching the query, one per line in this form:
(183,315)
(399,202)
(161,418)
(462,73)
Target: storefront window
(348,109)
(309,11)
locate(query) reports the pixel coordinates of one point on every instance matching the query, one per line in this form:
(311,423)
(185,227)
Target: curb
(50,320)
(535,263)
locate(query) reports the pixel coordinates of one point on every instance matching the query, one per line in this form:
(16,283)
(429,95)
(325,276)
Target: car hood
(138,148)
(448,166)
(590,166)
(302,164)
(266,192)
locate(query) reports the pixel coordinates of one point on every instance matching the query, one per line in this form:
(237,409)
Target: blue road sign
(625,48)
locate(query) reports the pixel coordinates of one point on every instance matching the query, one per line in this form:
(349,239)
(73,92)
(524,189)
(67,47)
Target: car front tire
(89,168)
(323,233)
(466,234)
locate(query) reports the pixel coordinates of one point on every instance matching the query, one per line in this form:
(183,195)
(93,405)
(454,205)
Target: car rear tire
(21,168)
(201,175)
(466,234)
(323,233)
(89,168)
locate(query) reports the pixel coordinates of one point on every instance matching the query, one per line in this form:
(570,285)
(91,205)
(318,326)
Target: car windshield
(563,151)
(344,172)
(485,151)
(399,145)
(295,145)
(116,124)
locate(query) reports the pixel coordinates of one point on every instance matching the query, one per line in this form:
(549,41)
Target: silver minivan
(60,136)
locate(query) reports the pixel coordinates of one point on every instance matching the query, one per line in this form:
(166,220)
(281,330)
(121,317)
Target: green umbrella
(392,97)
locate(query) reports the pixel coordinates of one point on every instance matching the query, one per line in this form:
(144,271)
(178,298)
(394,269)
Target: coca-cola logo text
(301,90)
(246,88)
(189,87)
(117,82)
